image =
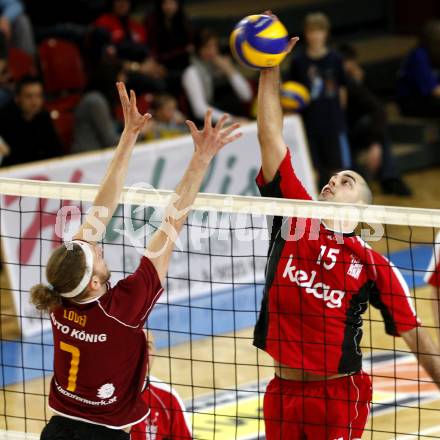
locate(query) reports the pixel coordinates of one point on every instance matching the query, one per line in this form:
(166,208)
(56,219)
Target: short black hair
(25,81)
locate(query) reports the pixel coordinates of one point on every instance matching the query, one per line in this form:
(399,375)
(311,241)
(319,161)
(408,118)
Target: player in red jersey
(319,281)
(99,346)
(432,277)
(167,419)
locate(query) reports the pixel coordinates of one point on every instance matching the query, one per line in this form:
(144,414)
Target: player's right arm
(207,143)
(107,199)
(277,177)
(270,123)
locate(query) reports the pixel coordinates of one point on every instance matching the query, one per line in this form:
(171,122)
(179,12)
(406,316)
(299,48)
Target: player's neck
(91,295)
(341,226)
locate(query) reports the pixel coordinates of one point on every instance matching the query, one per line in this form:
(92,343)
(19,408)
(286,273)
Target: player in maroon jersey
(167,419)
(99,346)
(432,277)
(319,281)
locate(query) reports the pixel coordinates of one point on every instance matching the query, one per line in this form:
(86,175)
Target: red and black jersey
(100,352)
(433,273)
(167,419)
(318,284)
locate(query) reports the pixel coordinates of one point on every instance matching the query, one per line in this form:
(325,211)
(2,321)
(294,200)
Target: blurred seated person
(129,39)
(367,129)
(213,81)
(126,34)
(170,36)
(6,80)
(419,77)
(95,127)
(26,127)
(16,26)
(167,120)
(167,419)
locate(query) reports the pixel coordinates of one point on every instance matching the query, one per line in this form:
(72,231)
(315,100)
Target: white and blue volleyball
(259,41)
(294,96)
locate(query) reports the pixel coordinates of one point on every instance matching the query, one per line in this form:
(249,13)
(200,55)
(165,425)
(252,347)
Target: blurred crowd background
(372,69)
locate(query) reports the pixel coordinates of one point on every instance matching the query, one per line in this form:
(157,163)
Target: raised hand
(209,141)
(133,120)
(292,41)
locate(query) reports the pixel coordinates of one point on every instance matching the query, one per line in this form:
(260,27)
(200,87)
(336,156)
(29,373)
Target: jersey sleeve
(285,184)
(390,294)
(132,299)
(432,275)
(181,426)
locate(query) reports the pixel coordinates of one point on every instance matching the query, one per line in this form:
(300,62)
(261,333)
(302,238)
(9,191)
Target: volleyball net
(203,323)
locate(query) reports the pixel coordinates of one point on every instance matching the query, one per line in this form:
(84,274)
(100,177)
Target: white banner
(213,259)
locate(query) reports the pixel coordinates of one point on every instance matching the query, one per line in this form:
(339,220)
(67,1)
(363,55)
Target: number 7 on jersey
(74,364)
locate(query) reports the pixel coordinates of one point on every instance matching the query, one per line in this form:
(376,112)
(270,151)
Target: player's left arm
(390,294)
(107,199)
(422,345)
(432,277)
(392,297)
(207,143)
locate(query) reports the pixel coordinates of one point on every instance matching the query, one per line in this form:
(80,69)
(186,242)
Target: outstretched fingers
(221,122)
(292,44)
(123,96)
(229,139)
(228,130)
(208,119)
(146,118)
(133,99)
(192,127)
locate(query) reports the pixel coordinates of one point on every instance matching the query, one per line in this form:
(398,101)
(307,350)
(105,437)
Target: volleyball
(294,96)
(259,41)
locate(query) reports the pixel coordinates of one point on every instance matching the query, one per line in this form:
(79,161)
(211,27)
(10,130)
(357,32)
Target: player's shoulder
(363,248)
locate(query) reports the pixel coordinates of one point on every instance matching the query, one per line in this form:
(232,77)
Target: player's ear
(94,283)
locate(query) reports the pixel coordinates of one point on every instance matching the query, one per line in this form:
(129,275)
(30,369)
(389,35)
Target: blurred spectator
(126,34)
(6,81)
(95,127)
(367,128)
(128,38)
(320,70)
(169,36)
(167,121)
(26,127)
(213,81)
(16,26)
(419,78)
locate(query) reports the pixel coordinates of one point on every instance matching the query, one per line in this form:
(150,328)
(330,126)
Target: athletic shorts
(334,409)
(62,428)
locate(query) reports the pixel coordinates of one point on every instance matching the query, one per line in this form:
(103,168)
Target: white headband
(87,274)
